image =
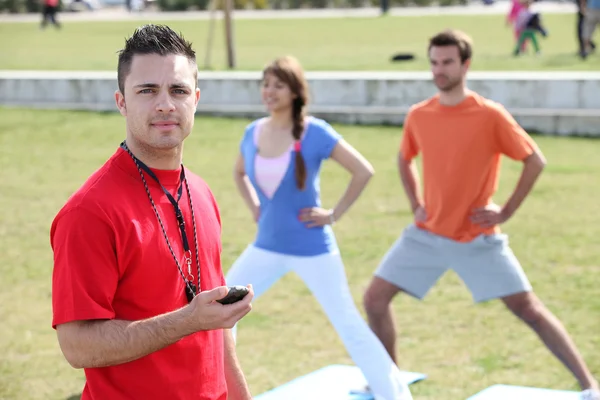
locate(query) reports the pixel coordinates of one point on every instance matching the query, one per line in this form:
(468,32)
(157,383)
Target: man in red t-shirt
(135,241)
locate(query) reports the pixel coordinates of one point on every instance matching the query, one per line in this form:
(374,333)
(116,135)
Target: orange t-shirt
(461,147)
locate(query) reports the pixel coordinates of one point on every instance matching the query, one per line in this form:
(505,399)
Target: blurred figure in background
(385,7)
(528,23)
(591,13)
(580,20)
(511,19)
(49,11)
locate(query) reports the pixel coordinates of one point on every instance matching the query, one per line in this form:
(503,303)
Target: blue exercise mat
(504,392)
(335,382)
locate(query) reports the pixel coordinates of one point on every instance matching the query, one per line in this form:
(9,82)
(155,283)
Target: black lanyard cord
(190,290)
(174,203)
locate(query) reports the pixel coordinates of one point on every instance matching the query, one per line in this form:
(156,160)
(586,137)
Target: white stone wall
(561,103)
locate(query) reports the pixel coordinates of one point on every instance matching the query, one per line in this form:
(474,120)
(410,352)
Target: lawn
(321,44)
(46,155)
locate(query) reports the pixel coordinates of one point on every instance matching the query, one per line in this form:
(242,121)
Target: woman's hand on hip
(316,216)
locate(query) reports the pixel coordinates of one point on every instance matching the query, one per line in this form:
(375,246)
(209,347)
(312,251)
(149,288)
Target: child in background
(516,7)
(526,19)
(530,21)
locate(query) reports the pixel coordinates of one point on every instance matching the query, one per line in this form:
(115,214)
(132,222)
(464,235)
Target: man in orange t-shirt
(461,137)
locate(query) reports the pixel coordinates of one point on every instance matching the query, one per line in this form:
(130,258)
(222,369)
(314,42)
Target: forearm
(102,343)
(247,192)
(237,387)
(410,181)
(532,168)
(357,184)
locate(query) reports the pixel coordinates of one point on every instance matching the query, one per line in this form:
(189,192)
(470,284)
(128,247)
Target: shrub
(174,5)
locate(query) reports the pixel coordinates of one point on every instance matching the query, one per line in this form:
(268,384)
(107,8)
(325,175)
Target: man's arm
(102,343)
(237,387)
(515,143)
(409,148)
(410,180)
(492,214)
(533,166)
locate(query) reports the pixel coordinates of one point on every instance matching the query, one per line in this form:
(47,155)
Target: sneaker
(590,394)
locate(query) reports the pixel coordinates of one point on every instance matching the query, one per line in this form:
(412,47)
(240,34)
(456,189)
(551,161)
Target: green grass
(321,44)
(46,155)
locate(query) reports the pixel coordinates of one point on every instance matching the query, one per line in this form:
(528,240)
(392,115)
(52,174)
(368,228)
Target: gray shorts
(591,19)
(486,265)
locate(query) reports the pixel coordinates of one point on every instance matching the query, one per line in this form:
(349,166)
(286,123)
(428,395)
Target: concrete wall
(561,103)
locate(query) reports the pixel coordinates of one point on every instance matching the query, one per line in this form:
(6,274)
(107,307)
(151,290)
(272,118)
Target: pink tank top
(269,172)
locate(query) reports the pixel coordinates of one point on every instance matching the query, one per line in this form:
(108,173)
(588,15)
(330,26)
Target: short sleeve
(511,138)
(328,137)
(408,144)
(86,273)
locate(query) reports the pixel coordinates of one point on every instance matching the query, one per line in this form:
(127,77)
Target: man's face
(447,69)
(160,100)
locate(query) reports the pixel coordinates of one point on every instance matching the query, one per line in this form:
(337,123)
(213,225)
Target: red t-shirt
(111,260)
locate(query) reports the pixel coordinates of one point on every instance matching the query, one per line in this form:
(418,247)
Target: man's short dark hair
(152,39)
(451,37)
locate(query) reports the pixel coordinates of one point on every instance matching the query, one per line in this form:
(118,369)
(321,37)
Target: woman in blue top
(277,174)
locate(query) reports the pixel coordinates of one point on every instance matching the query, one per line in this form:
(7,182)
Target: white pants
(325,276)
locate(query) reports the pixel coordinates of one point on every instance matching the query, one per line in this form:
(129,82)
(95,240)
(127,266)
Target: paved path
(119,14)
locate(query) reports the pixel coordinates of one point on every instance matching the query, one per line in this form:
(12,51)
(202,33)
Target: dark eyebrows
(180,86)
(156,86)
(146,86)
(442,61)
